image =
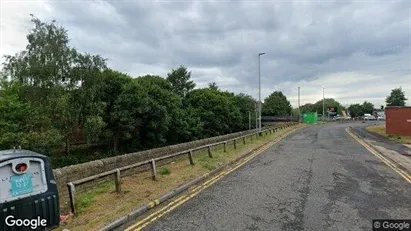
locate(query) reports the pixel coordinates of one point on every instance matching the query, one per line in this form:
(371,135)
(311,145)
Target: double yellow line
(179,201)
(389,163)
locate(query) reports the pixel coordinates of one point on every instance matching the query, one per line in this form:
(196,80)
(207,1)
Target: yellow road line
(179,201)
(382,158)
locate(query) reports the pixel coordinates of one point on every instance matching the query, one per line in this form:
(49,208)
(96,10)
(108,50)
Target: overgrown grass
(380,130)
(85,200)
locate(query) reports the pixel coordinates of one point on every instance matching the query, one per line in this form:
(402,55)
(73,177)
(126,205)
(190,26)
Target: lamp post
(259,92)
(299,107)
(323,107)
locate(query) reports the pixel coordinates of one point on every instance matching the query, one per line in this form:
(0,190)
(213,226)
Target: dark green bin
(28,190)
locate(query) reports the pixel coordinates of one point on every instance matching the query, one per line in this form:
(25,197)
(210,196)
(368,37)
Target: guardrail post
(190,157)
(118,181)
(153,169)
(225,145)
(244,140)
(235,144)
(209,152)
(72,196)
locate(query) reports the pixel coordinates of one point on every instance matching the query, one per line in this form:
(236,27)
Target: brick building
(398,121)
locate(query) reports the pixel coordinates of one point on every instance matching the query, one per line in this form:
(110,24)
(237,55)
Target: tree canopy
(276,104)
(396,98)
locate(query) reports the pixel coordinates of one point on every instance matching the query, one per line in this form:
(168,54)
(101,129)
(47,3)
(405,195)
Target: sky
(357,50)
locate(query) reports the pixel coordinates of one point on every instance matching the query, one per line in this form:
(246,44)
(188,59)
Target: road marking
(182,199)
(382,158)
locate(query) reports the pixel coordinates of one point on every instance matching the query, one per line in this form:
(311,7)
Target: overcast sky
(357,50)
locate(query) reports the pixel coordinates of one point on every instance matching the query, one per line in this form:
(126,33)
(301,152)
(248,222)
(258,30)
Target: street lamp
(299,107)
(259,92)
(323,107)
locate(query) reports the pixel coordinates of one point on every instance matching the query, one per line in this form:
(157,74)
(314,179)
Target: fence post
(225,144)
(209,152)
(118,181)
(235,144)
(251,137)
(153,169)
(72,196)
(244,140)
(190,157)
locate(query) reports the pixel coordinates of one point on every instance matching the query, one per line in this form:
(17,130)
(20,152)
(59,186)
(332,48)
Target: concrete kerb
(118,225)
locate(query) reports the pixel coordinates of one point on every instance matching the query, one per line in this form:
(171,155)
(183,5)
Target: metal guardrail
(117,172)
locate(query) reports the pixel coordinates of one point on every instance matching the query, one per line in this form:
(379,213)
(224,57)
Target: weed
(164,171)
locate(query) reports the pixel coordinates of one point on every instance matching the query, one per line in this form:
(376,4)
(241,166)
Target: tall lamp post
(299,107)
(323,107)
(259,92)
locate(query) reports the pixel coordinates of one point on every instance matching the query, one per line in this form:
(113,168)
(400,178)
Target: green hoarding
(310,118)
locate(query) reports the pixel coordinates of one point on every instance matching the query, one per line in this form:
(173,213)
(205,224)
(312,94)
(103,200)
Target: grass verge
(103,205)
(380,130)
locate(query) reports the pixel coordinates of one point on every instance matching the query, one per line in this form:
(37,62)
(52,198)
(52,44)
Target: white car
(369,117)
(381,117)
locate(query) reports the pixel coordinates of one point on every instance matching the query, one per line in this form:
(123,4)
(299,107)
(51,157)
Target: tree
(382,107)
(213,86)
(180,81)
(368,107)
(307,108)
(328,102)
(276,104)
(56,79)
(356,110)
(246,105)
(162,112)
(217,111)
(396,98)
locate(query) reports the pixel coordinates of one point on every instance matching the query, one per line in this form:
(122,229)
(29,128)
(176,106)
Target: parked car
(369,117)
(382,117)
(338,117)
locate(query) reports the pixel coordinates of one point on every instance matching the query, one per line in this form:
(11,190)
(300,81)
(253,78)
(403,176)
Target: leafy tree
(127,113)
(277,104)
(328,102)
(356,110)
(368,107)
(217,110)
(163,107)
(246,105)
(307,108)
(180,81)
(213,86)
(55,78)
(396,98)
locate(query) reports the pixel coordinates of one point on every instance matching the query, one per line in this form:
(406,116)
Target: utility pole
(323,107)
(299,110)
(259,92)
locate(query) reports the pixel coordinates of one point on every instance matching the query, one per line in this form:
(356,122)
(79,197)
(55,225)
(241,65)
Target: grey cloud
(302,40)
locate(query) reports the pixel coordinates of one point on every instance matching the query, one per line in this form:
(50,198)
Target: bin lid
(18,153)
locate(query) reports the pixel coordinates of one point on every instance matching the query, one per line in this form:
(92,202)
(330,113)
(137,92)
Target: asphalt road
(317,179)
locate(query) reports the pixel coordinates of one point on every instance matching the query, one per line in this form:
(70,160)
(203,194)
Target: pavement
(382,141)
(318,178)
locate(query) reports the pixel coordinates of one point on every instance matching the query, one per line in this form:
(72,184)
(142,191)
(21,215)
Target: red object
(398,121)
(64,218)
(21,167)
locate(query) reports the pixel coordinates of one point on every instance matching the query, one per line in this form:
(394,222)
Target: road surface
(316,179)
